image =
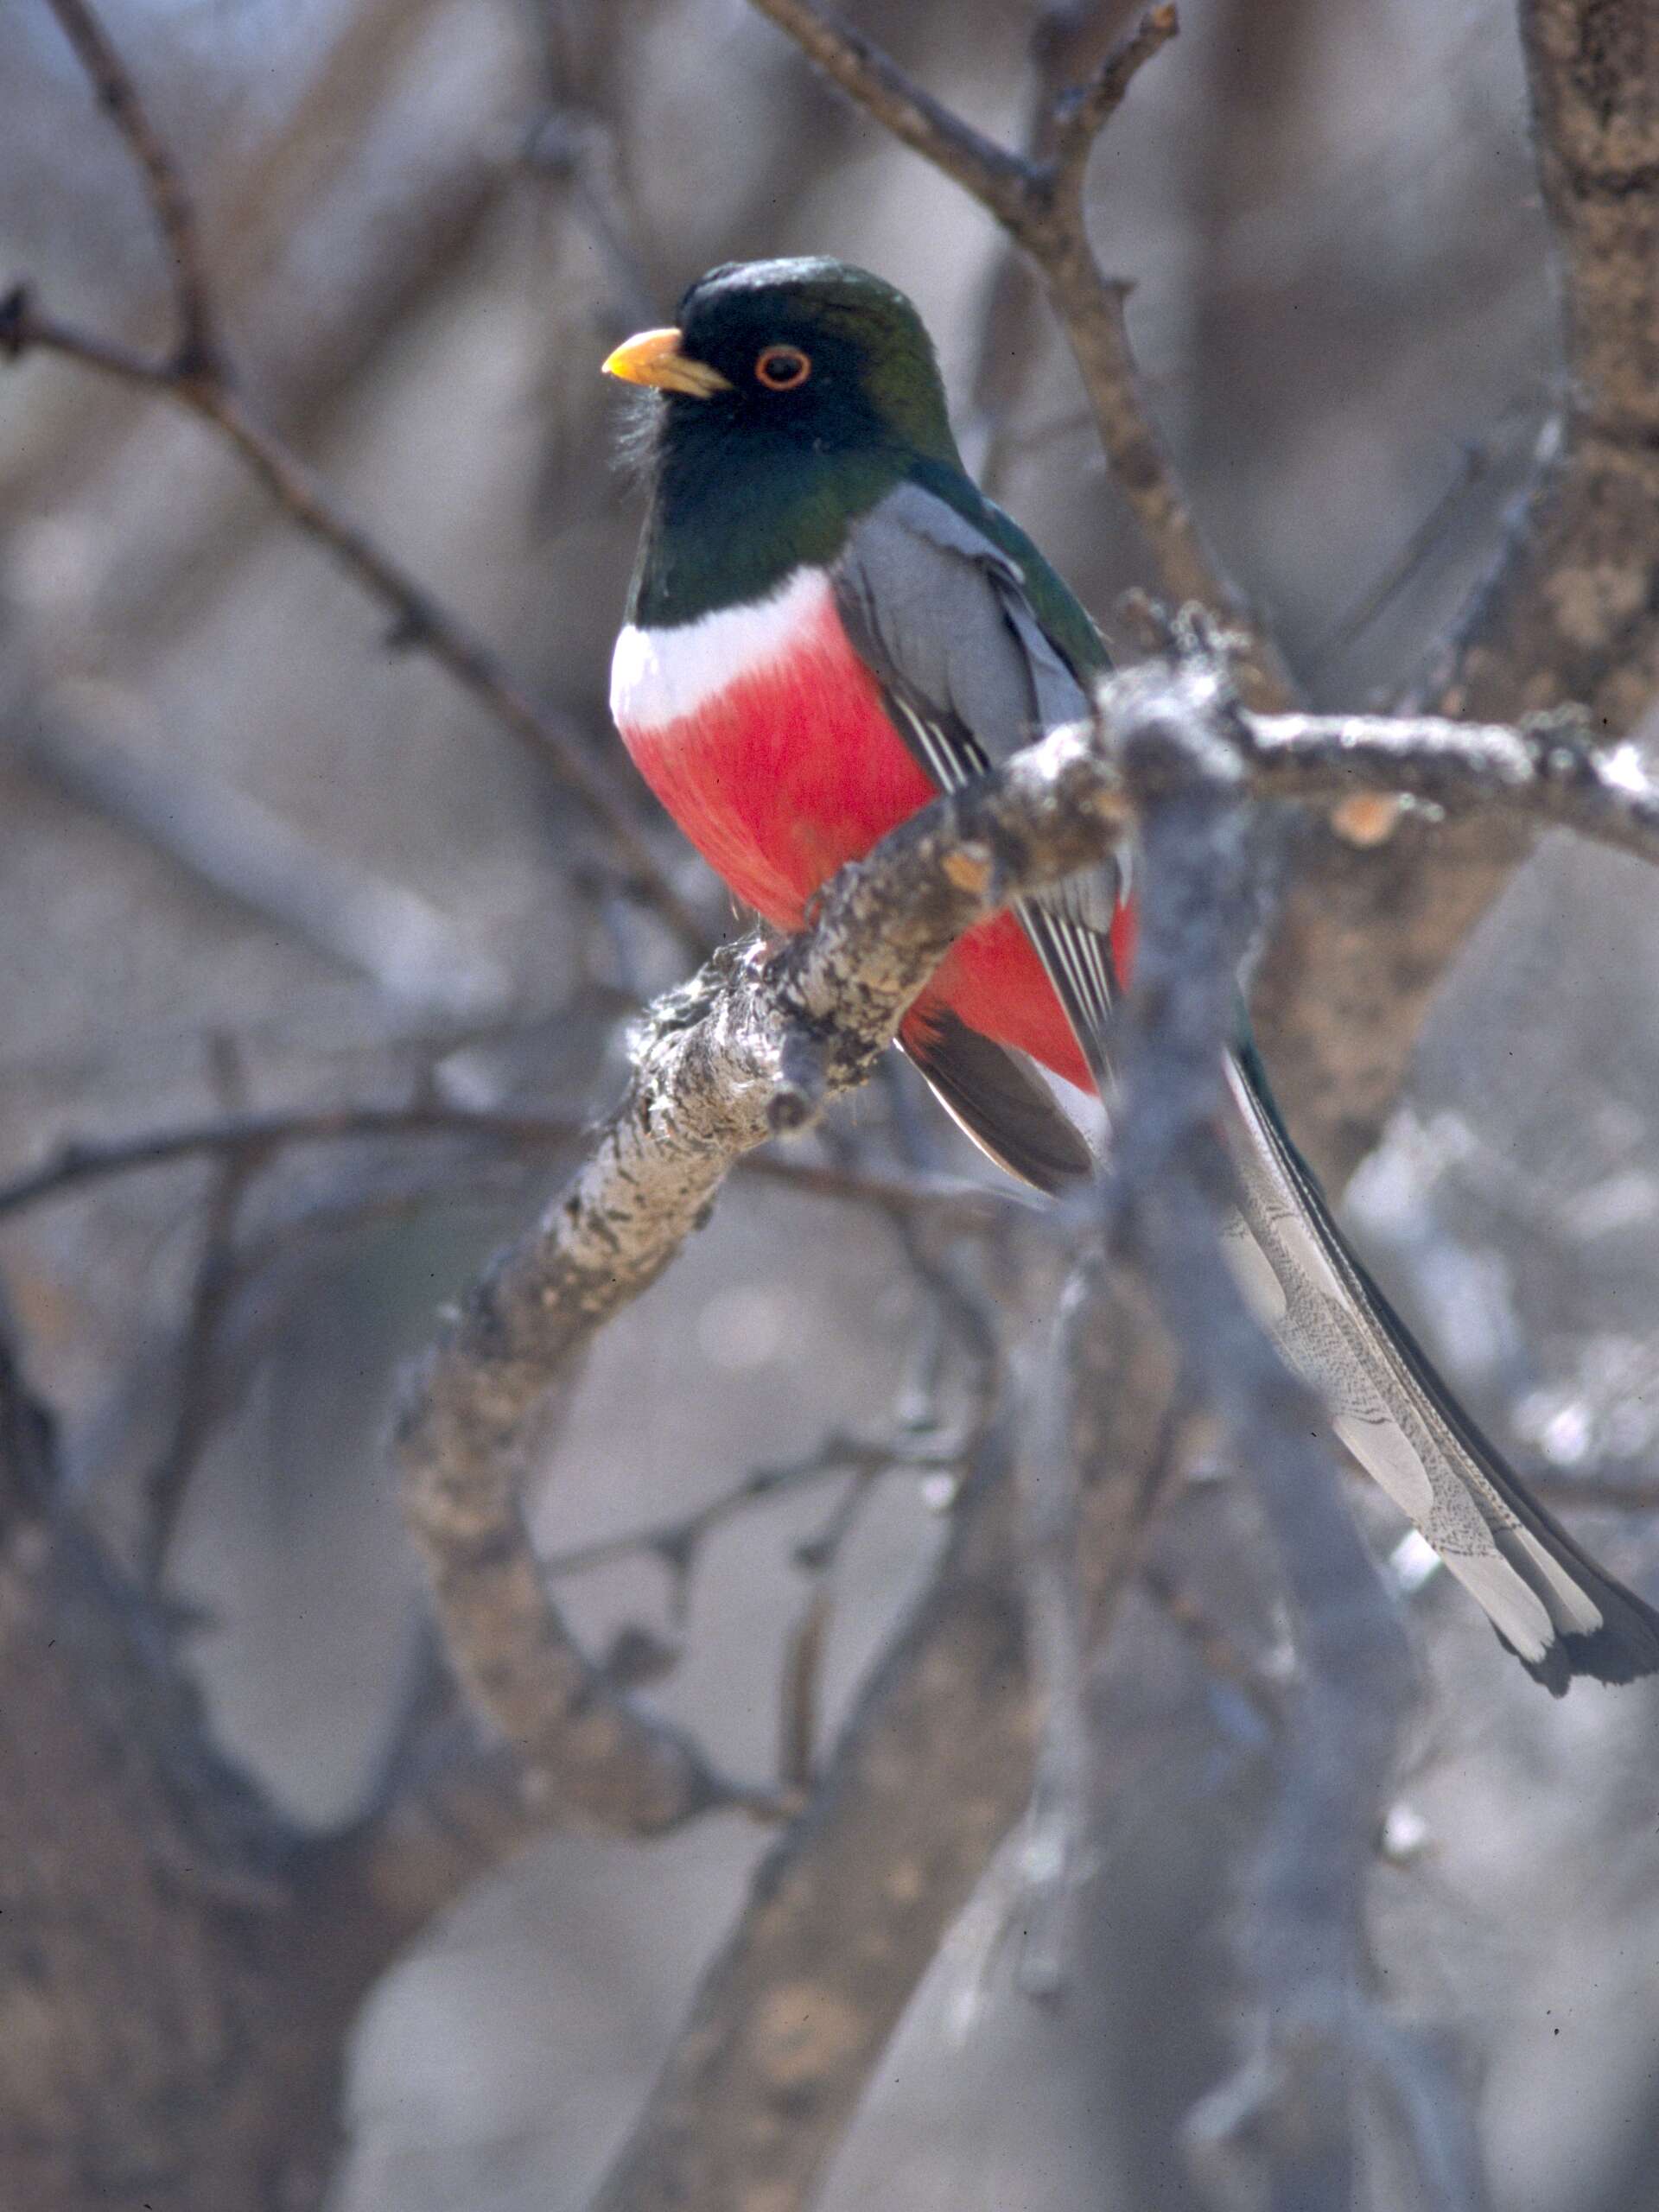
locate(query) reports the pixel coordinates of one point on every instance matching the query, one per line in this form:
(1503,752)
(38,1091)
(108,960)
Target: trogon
(828,625)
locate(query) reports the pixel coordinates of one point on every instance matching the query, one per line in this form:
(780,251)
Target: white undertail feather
(1378,1408)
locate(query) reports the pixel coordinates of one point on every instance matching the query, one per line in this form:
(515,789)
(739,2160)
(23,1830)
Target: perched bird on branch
(828,626)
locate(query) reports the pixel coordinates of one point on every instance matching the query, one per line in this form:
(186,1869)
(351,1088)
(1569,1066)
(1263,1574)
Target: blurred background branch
(314,972)
(197,376)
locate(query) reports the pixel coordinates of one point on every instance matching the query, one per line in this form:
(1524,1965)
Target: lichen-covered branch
(713,1070)
(748,1049)
(743,1051)
(1550,771)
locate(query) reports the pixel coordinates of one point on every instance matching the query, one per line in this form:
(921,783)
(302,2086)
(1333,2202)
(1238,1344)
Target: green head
(792,396)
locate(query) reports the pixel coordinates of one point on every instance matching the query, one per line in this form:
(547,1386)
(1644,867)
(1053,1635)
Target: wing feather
(939,612)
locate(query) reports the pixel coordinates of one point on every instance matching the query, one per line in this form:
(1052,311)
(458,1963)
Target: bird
(828,625)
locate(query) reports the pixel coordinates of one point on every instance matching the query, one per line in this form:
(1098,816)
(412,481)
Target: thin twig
(1038,202)
(676,1541)
(1081,111)
(997,179)
(197,350)
(78,1165)
(197,378)
(1217,1651)
(197,1404)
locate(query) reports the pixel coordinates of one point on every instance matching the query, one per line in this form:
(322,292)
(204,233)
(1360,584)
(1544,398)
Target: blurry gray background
(428,220)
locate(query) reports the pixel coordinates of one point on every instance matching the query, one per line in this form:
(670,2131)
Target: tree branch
(1548,770)
(1285,2133)
(721,1065)
(931,1770)
(197,378)
(1569,611)
(1081,111)
(1000,180)
(197,351)
(1038,202)
(79,1165)
(740,1052)
(778,2033)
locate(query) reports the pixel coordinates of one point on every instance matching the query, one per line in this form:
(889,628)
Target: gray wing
(939,612)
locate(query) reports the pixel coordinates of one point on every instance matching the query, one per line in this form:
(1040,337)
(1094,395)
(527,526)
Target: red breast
(764,734)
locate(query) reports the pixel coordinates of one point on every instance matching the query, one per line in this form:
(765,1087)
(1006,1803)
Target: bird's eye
(781,368)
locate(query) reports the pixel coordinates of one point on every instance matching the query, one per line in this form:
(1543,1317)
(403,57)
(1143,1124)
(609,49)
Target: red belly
(794,770)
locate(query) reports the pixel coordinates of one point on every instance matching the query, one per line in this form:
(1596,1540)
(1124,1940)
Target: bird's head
(812,354)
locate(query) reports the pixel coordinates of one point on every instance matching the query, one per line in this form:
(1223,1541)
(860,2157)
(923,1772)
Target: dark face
(791,399)
(807,352)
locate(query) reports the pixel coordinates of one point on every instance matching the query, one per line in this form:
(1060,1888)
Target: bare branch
(78,1165)
(720,1057)
(676,1541)
(1000,180)
(1081,111)
(708,1074)
(703,1089)
(1284,2133)
(197,352)
(198,379)
(931,1770)
(1040,203)
(1547,770)
(195,1407)
(1570,612)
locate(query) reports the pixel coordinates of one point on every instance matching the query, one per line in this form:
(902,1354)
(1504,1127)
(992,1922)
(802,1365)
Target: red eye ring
(783,368)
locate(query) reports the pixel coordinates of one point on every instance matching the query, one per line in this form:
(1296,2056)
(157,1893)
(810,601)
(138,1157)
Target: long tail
(1552,1605)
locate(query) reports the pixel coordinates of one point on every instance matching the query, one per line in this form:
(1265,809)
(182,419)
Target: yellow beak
(654,356)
